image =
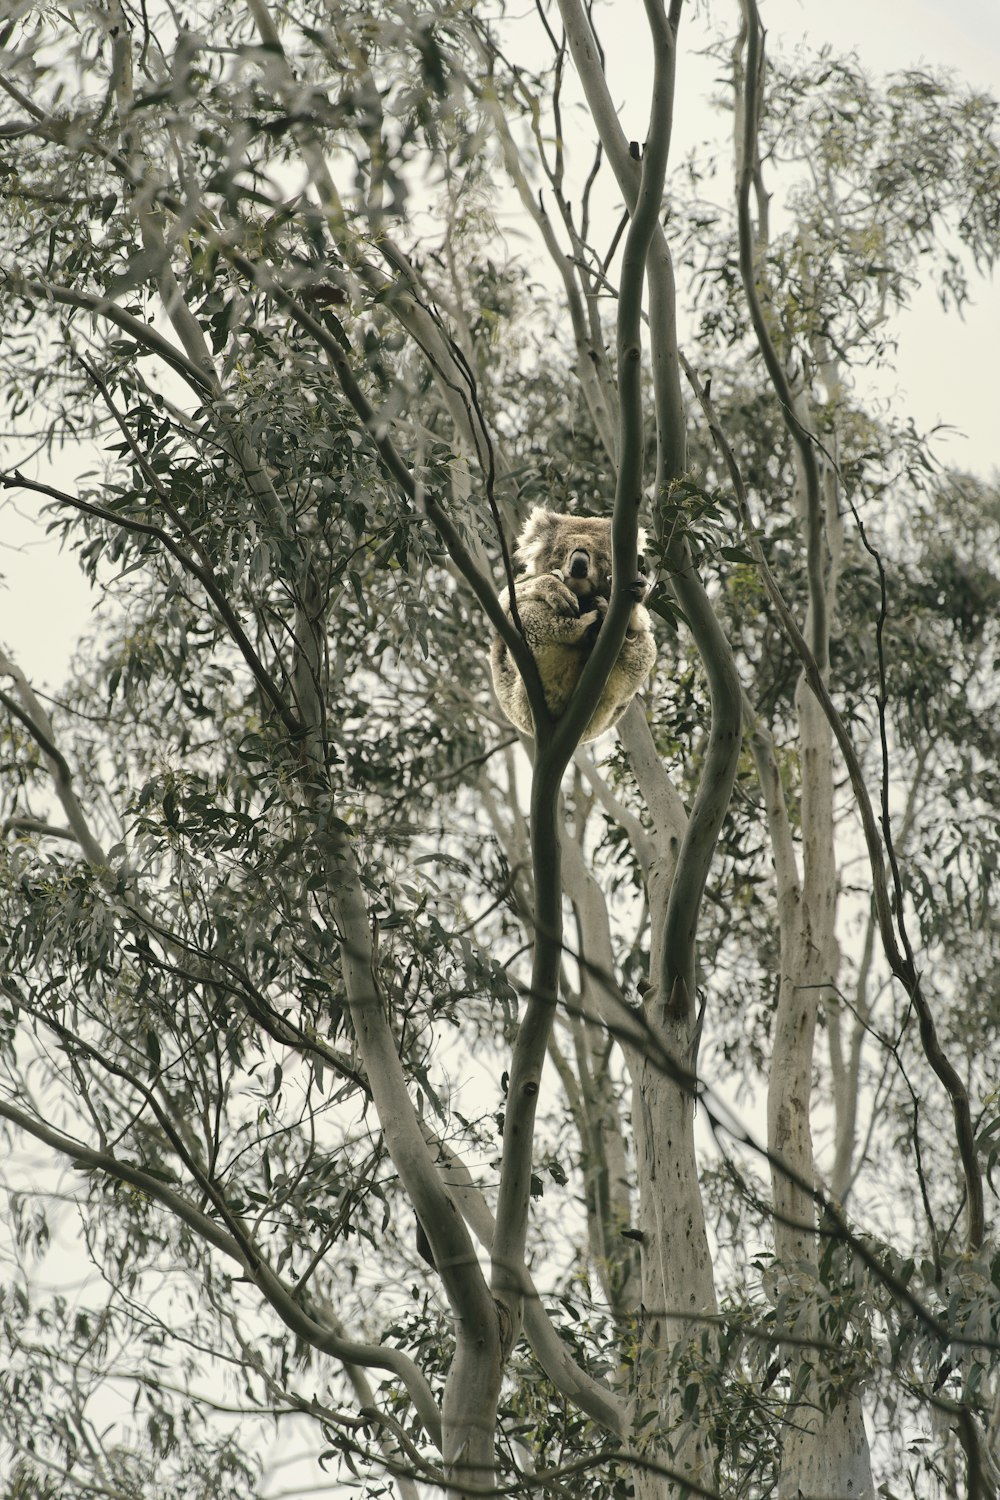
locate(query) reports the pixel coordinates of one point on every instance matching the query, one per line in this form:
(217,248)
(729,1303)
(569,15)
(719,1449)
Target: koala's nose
(579,564)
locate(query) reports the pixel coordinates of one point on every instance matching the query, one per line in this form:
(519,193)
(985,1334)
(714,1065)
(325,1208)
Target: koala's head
(578,548)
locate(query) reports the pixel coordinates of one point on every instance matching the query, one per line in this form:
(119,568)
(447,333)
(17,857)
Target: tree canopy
(394,1103)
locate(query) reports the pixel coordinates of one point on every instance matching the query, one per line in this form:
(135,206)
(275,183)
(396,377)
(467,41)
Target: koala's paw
(594,608)
(594,618)
(564,601)
(549,590)
(638,590)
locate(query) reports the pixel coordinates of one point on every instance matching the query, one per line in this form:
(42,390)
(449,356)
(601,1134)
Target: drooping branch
(202,571)
(306,1324)
(280,1026)
(104,307)
(395,466)
(32,715)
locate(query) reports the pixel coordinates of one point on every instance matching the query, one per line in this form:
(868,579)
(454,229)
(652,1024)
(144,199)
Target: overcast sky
(944,363)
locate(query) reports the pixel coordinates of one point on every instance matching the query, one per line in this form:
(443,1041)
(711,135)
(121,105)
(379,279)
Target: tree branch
(566,1375)
(552,751)
(303,1323)
(901,963)
(104,307)
(34,718)
(204,574)
(676,978)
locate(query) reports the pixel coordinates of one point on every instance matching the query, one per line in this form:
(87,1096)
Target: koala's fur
(562,600)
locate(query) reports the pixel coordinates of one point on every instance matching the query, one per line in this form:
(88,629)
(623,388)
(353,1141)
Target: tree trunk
(825,1453)
(678,1286)
(469,1411)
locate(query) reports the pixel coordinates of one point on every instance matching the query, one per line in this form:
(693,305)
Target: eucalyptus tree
(378,1040)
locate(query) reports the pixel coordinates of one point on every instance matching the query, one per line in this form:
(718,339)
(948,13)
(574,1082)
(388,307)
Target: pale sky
(944,370)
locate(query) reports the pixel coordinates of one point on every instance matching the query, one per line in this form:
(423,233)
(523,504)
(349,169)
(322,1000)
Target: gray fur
(561,609)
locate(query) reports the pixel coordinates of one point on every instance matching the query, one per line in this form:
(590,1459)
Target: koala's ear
(642,541)
(536,525)
(533,535)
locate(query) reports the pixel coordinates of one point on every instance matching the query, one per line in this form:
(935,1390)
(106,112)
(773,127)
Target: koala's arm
(559,639)
(638,651)
(550,612)
(633,665)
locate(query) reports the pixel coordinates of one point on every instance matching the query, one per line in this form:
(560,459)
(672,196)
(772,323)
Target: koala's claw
(595,619)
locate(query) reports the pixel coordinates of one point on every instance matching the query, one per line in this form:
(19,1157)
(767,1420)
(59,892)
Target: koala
(562,601)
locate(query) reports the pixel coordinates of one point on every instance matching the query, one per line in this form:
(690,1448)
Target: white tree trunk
(825,1453)
(829,1458)
(678,1283)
